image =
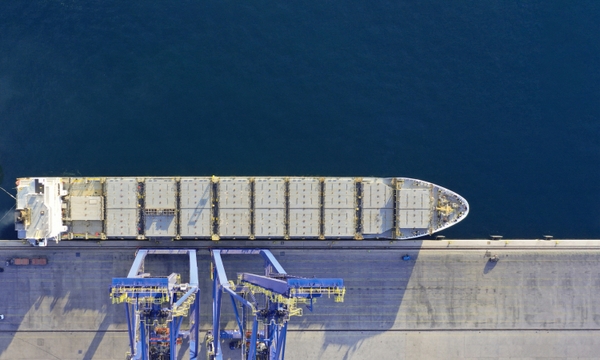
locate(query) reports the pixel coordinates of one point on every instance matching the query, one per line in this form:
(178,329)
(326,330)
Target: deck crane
(266,301)
(156,306)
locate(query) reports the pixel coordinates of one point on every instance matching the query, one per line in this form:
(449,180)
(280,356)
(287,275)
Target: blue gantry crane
(156,306)
(266,303)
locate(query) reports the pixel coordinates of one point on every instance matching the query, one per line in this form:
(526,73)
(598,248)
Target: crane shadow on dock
(60,304)
(376,282)
(95,344)
(70,295)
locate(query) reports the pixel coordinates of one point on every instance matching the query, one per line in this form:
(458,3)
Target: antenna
(9,194)
(8,211)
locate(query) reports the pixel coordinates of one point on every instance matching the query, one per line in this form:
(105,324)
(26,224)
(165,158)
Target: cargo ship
(232,208)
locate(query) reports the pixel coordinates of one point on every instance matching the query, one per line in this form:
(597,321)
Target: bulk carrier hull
(215,208)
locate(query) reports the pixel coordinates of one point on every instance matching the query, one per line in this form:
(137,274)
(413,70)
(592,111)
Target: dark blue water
(498,101)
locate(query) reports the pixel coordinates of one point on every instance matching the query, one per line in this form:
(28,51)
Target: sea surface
(496,100)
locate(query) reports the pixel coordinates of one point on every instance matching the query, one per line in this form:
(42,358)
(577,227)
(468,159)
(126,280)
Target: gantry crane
(266,301)
(155,308)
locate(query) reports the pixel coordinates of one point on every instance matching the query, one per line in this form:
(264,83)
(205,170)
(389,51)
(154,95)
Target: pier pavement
(447,302)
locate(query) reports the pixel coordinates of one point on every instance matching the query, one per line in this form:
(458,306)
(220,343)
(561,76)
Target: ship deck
(234,208)
(447,302)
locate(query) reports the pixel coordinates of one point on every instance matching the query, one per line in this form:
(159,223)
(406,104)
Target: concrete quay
(539,301)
